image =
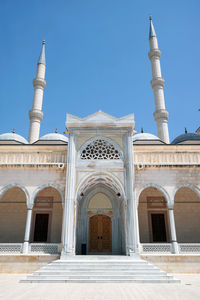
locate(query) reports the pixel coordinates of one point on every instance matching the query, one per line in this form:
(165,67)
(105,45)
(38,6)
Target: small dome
(10,136)
(54,137)
(146,138)
(186,138)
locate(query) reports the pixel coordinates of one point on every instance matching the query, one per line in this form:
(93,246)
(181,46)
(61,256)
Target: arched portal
(186,214)
(13,210)
(47,216)
(153,216)
(100,222)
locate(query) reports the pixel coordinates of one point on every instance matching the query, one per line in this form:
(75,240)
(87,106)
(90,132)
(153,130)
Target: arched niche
(186,213)
(153,215)
(13,211)
(100,200)
(47,215)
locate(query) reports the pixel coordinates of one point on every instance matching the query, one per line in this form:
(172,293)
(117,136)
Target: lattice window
(100,149)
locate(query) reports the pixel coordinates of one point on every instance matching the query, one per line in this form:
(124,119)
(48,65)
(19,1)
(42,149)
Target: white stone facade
(100,161)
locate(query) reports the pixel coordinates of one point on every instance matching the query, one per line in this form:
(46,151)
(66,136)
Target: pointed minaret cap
(152,32)
(42,59)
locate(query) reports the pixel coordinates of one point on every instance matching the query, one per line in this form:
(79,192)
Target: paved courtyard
(10,288)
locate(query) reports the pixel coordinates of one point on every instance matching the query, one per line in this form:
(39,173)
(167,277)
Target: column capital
(30,207)
(170,206)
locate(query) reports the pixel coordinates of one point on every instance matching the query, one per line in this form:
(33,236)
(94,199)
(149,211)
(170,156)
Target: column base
(133,253)
(25,248)
(65,255)
(175,247)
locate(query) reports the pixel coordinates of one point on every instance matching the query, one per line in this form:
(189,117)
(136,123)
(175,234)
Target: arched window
(100,148)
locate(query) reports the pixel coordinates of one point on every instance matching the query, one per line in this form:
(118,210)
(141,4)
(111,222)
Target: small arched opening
(13,211)
(153,216)
(186,214)
(47,216)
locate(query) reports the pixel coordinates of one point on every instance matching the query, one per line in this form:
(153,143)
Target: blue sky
(97,58)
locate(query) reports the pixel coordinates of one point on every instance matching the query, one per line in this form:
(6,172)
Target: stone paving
(10,288)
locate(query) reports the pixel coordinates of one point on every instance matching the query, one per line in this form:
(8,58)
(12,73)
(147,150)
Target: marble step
(100,272)
(87,268)
(63,262)
(149,280)
(103,278)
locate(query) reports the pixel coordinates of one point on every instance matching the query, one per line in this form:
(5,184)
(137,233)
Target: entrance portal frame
(117,162)
(117,219)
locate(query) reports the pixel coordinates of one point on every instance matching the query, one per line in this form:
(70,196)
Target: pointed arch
(42,187)
(158,187)
(101,177)
(188,185)
(13,185)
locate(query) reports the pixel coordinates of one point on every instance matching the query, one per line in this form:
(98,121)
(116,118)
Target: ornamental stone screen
(100,149)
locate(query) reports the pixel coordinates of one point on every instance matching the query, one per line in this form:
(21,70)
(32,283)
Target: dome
(54,137)
(144,136)
(10,136)
(187,138)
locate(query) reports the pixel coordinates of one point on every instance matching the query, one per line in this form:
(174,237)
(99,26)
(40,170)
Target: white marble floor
(10,288)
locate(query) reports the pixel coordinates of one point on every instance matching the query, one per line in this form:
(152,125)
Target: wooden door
(100,234)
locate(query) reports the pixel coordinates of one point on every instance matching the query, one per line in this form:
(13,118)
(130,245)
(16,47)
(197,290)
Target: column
(137,230)
(27,230)
(69,221)
(175,248)
(131,226)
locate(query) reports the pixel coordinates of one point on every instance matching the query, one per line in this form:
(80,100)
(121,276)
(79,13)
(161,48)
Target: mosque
(101,190)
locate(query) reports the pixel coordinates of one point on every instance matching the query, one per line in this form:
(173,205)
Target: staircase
(100,269)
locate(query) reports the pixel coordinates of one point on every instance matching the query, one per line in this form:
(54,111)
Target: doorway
(41,228)
(100,234)
(158,228)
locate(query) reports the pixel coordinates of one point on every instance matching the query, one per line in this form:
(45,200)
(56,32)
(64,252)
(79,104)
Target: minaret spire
(39,83)
(42,59)
(157,83)
(151,29)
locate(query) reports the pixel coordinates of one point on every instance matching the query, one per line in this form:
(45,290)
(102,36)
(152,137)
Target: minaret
(157,83)
(39,83)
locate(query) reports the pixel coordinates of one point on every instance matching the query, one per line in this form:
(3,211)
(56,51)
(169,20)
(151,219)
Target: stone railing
(166,157)
(189,248)
(185,248)
(155,248)
(10,248)
(34,248)
(44,248)
(33,158)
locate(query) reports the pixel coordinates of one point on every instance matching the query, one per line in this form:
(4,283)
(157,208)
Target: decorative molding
(32,158)
(166,158)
